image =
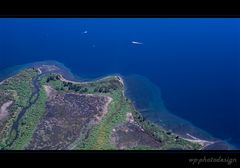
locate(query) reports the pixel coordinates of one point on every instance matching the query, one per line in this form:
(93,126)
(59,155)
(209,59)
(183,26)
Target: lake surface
(187,69)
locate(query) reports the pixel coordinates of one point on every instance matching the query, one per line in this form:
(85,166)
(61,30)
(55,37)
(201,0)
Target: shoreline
(120,79)
(75,82)
(5,80)
(202,142)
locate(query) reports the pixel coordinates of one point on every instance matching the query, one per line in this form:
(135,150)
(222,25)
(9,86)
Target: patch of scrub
(68,116)
(130,135)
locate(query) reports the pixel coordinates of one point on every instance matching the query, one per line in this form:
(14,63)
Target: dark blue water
(195,62)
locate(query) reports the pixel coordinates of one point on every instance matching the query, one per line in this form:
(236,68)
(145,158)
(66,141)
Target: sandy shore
(65,80)
(116,76)
(5,80)
(202,142)
(120,80)
(39,70)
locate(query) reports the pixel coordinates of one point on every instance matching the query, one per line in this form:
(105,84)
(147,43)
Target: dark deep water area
(177,71)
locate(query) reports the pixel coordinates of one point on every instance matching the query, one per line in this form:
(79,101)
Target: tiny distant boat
(136,42)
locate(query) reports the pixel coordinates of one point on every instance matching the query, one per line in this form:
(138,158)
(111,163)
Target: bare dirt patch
(3,109)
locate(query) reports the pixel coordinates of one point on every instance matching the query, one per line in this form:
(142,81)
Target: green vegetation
(168,139)
(104,86)
(142,147)
(99,137)
(18,89)
(22,84)
(30,120)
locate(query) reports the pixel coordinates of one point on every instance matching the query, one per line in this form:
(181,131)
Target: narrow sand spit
(74,82)
(202,142)
(65,80)
(3,109)
(4,80)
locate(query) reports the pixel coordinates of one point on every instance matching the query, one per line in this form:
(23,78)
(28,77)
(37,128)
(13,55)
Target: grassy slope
(99,137)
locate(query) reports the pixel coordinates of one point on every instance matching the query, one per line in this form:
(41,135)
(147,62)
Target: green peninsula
(41,110)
